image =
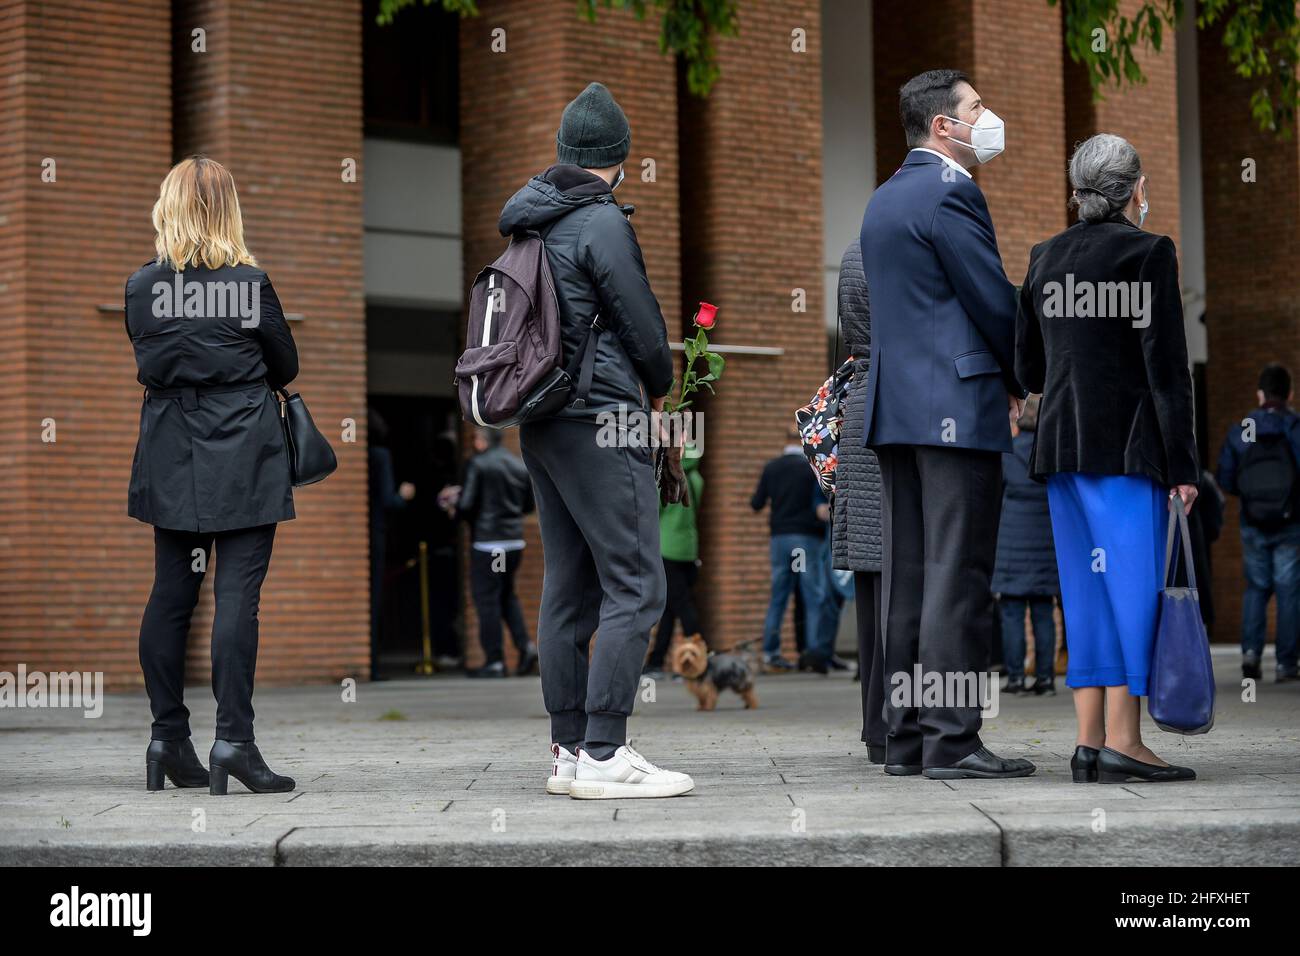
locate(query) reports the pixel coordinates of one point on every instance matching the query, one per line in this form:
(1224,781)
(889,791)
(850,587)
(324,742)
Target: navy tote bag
(1181,697)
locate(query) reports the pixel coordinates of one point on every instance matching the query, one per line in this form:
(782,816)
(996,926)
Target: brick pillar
(87,88)
(1011,49)
(751,237)
(1252,317)
(510,110)
(1146,116)
(277,98)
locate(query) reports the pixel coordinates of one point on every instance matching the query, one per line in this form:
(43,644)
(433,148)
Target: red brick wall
(89,87)
(277,98)
(1252,232)
(752,173)
(1146,115)
(510,110)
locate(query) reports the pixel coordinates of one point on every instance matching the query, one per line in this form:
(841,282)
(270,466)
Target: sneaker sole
(557,787)
(600,790)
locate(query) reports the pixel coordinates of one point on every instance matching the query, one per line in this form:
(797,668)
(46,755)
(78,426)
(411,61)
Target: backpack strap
(583,363)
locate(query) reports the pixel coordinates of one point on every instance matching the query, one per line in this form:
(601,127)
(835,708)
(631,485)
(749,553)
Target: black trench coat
(211,454)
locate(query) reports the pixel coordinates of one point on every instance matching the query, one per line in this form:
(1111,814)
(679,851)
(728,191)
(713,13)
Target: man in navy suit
(940,395)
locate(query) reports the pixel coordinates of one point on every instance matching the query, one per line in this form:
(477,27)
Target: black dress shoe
(1083,765)
(983,764)
(1250,666)
(1115,767)
(875,753)
(242,760)
(175,760)
(902,769)
(527,661)
(814,663)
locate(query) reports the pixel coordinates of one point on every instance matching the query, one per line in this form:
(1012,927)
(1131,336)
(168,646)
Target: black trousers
(242,558)
(492,585)
(871,657)
(680,606)
(940,513)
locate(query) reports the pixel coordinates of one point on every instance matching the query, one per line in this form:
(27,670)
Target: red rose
(706,316)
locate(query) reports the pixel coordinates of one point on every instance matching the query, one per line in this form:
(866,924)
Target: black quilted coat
(855,534)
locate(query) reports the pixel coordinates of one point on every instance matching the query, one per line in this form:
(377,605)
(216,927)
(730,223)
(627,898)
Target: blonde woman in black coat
(1100,335)
(211,471)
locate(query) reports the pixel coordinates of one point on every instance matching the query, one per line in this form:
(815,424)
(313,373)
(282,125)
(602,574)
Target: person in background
(493,500)
(386,498)
(679,543)
(1024,573)
(838,588)
(798,537)
(1115,445)
(211,470)
(1260,462)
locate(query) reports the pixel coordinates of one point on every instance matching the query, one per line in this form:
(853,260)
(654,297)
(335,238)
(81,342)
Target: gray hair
(1104,171)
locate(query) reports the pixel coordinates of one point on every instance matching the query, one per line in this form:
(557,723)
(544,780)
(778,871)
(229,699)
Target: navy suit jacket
(943,314)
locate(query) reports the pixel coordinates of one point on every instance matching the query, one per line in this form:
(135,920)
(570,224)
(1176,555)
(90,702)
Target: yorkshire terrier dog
(707,673)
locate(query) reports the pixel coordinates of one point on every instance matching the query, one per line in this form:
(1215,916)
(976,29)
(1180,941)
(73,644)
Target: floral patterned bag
(819,424)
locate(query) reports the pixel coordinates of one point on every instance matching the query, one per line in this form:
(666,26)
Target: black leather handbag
(311,459)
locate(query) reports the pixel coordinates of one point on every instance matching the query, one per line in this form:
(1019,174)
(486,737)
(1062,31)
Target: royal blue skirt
(1110,537)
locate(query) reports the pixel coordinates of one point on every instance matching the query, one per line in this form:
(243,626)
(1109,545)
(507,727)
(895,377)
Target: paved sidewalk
(450,771)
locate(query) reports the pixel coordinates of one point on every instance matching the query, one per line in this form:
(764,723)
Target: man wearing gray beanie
(597,500)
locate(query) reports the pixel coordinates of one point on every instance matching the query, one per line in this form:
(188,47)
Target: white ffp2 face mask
(987,135)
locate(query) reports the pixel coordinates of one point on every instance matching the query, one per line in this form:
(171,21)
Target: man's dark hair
(924,97)
(1275,382)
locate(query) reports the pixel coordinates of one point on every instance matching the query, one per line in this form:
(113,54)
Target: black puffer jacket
(855,534)
(1026,561)
(496,495)
(597,265)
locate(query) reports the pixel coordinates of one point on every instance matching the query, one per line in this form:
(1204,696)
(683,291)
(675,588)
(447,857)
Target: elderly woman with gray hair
(1100,335)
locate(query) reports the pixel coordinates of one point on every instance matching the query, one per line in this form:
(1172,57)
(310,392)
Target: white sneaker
(563,771)
(625,775)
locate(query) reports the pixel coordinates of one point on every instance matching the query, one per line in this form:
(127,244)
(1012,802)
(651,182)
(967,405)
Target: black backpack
(1266,482)
(511,371)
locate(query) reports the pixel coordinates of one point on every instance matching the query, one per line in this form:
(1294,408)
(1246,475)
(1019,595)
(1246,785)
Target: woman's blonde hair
(197,217)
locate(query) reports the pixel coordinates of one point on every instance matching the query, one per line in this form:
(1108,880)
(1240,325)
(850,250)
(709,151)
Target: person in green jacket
(679,544)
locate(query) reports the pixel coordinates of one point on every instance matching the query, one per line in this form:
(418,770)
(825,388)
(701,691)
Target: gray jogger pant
(599,514)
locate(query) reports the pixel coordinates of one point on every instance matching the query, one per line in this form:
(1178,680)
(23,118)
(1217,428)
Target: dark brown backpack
(512,369)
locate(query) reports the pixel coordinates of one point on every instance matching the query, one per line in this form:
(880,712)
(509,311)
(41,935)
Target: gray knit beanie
(593,131)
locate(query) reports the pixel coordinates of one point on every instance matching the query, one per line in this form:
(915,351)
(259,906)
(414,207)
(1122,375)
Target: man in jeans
(596,497)
(1260,462)
(797,555)
(494,499)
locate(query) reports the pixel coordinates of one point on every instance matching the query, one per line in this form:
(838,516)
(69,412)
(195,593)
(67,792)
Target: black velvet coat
(1117,392)
(211,454)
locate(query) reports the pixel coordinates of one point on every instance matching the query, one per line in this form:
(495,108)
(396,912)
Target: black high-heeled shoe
(1083,765)
(242,760)
(176,761)
(1115,767)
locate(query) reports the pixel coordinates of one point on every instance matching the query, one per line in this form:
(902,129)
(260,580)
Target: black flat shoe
(876,753)
(175,760)
(1083,765)
(527,661)
(1115,767)
(242,760)
(983,764)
